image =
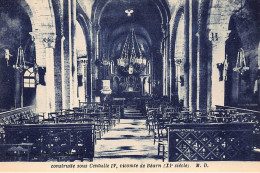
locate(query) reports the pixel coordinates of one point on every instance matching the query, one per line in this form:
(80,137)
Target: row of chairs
(104,116)
(158,116)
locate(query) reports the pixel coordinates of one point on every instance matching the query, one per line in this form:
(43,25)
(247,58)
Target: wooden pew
(15,152)
(69,141)
(209,141)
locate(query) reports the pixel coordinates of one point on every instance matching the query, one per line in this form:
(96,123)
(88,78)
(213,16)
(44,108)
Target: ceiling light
(129,12)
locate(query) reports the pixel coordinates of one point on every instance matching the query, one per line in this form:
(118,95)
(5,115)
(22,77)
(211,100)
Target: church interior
(156,80)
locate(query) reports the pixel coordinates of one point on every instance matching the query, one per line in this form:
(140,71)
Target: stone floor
(129,140)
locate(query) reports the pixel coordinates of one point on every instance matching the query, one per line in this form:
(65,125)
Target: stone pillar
(218,56)
(74,55)
(86,79)
(63,86)
(18,89)
(165,49)
(49,44)
(40,98)
(202,78)
(178,63)
(170,78)
(258,75)
(193,44)
(45,92)
(186,57)
(89,79)
(95,67)
(66,59)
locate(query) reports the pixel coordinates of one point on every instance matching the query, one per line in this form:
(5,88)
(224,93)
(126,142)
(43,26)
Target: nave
(159,80)
(128,141)
(101,132)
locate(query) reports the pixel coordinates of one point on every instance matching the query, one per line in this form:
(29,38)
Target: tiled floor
(129,140)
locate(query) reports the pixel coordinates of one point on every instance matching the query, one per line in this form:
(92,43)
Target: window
(29,78)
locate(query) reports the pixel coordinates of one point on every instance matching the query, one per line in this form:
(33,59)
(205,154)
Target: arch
(58,16)
(174,93)
(217,31)
(85,24)
(219,19)
(139,30)
(99,7)
(33,9)
(179,14)
(164,10)
(26,6)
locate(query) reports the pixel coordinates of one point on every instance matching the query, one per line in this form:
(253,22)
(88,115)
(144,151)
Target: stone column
(170,79)
(165,46)
(258,73)
(66,59)
(49,44)
(218,56)
(186,57)
(45,92)
(65,101)
(95,70)
(40,98)
(89,79)
(178,63)
(18,89)
(74,54)
(193,44)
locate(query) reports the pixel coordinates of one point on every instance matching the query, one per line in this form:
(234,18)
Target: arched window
(29,78)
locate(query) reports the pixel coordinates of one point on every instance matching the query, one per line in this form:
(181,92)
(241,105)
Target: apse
(129,40)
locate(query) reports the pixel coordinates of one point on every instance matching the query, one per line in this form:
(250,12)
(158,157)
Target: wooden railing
(160,116)
(210,141)
(236,108)
(243,115)
(16,116)
(61,142)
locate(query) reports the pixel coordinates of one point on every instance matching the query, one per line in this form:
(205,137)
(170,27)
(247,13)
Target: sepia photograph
(129,85)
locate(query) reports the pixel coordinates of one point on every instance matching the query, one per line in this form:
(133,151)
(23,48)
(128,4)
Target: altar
(131,94)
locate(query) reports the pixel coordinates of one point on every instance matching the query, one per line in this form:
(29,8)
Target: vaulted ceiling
(147,16)
(147,19)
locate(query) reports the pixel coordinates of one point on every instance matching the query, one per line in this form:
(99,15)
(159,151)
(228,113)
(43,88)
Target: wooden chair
(162,136)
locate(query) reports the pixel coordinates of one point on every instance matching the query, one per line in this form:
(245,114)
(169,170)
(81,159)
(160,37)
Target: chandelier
(20,62)
(131,59)
(241,65)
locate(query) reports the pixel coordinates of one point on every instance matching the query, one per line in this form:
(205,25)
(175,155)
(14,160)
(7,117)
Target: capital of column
(216,36)
(178,61)
(83,60)
(49,40)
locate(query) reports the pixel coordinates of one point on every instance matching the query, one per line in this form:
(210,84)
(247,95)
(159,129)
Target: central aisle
(129,140)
